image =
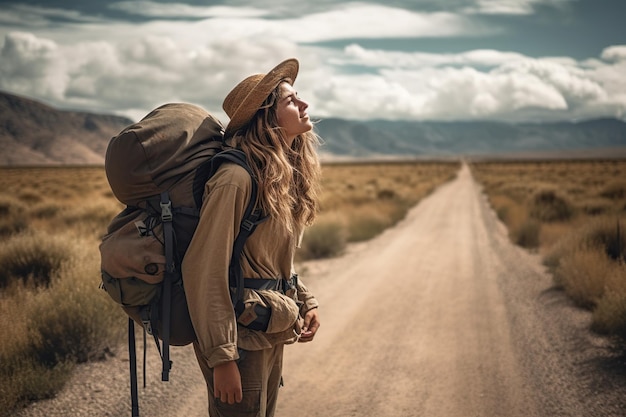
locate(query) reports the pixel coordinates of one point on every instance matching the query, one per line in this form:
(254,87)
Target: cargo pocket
(250,405)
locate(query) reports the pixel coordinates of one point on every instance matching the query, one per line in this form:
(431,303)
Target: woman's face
(291,113)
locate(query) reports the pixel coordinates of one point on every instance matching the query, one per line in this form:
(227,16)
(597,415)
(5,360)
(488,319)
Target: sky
(508,60)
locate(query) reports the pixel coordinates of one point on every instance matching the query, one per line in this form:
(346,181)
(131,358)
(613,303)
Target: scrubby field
(360,200)
(574,214)
(52,314)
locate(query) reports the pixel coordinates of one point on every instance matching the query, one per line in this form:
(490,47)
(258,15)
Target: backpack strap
(132,354)
(251,218)
(168,278)
(235,271)
(207,169)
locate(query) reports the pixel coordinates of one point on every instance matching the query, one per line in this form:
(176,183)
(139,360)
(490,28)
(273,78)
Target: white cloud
(131,78)
(452,86)
(179,10)
(129,68)
(355,54)
(512,7)
(32,65)
(614,53)
(374,21)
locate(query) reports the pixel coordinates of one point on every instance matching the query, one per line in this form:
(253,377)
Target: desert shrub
(367,223)
(595,206)
(504,208)
(551,234)
(386,194)
(73,321)
(615,190)
(12,216)
(23,380)
(609,317)
(45,331)
(325,239)
(45,210)
(522,230)
(582,274)
(366,228)
(518,190)
(11,226)
(97,215)
(608,234)
(22,377)
(10,205)
(30,196)
(603,234)
(527,234)
(399,210)
(548,205)
(33,257)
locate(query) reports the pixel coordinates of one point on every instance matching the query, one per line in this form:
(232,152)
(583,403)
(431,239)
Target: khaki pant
(261,373)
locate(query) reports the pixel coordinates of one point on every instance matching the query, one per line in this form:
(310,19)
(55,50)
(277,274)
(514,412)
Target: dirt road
(439,316)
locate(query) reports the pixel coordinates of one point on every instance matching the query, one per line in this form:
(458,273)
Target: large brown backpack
(158,168)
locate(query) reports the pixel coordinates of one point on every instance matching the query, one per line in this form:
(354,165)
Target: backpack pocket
(129,291)
(135,250)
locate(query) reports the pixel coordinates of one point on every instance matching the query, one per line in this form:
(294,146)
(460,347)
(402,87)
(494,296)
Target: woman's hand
(227,383)
(310,326)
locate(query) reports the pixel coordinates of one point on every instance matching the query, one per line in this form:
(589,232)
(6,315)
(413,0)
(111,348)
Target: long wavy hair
(288,177)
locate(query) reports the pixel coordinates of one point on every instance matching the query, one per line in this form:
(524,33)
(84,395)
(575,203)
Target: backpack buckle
(247,225)
(166,211)
(147,327)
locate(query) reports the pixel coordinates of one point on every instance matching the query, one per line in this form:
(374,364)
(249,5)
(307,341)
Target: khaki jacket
(268,253)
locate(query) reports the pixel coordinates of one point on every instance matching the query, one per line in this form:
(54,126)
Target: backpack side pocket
(129,291)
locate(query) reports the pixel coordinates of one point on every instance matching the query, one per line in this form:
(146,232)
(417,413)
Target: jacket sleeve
(205,266)
(306,298)
(304,295)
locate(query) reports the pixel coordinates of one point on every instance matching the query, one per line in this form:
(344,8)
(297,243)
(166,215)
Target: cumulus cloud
(129,68)
(615,53)
(477,84)
(32,65)
(131,78)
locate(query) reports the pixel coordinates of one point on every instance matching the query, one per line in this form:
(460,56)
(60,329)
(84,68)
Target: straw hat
(244,100)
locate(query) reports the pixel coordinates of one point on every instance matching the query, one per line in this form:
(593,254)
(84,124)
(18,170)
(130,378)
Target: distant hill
(381,138)
(32,133)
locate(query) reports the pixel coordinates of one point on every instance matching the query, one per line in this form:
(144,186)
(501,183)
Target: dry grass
(360,200)
(52,314)
(580,211)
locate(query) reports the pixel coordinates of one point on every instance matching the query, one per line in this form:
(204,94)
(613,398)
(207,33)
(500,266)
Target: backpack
(158,167)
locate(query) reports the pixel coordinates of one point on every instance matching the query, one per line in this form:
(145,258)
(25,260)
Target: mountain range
(33,133)
(472,138)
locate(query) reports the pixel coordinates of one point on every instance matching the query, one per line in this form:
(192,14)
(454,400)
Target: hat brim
(248,107)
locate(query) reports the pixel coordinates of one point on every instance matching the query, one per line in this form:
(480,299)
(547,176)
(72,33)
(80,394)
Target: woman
(243,367)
